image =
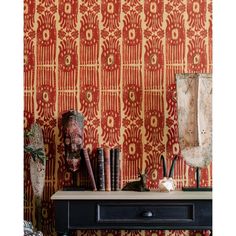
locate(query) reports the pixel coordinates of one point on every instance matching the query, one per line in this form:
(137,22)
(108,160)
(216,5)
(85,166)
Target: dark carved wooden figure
(72,122)
(138,185)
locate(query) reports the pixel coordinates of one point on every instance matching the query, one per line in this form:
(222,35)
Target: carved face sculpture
(73,138)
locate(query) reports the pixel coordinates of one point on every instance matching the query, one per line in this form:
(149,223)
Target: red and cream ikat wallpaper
(115,61)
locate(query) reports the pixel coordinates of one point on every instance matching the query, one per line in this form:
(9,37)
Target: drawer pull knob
(147,214)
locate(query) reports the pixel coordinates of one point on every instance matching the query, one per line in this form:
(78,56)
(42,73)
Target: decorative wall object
(35,148)
(194,102)
(73,137)
(114,61)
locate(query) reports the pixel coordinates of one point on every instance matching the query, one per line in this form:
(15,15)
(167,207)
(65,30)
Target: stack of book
(108,174)
(108,169)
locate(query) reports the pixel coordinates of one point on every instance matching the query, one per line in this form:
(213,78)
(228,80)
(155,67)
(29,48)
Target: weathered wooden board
(194,101)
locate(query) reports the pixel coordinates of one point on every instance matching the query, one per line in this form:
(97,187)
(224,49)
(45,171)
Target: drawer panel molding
(145,212)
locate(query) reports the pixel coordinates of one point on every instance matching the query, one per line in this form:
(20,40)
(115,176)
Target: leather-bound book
(107,169)
(112,164)
(94,163)
(89,168)
(117,168)
(101,171)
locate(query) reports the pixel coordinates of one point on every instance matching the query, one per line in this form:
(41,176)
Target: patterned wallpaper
(115,61)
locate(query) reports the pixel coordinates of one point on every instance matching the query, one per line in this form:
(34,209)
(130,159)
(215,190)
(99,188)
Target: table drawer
(134,214)
(145,212)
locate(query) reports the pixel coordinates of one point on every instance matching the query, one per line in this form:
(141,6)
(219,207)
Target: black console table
(132,210)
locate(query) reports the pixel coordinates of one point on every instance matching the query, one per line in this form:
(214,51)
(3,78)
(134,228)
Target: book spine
(107,169)
(94,163)
(112,164)
(101,172)
(117,169)
(89,168)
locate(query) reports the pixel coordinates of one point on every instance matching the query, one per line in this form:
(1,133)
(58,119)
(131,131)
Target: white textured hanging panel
(194,101)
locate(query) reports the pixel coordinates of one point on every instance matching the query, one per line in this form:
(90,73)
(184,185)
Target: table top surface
(131,195)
